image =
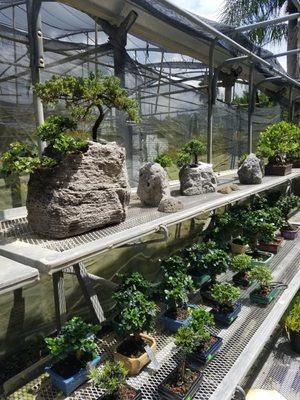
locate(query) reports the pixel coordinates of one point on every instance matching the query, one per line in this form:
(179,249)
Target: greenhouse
(149,200)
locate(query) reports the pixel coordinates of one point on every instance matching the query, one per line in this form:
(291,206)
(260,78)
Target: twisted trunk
(97,123)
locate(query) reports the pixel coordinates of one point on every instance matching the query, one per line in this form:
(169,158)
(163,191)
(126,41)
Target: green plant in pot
(176,289)
(265,292)
(241,265)
(292,323)
(274,143)
(226,308)
(74,347)
(174,265)
(286,204)
(136,315)
(112,378)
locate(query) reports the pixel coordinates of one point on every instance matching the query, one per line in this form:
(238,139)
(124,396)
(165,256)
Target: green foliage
(174,265)
(164,160)
(263,100)
(137,313)
(214,262)
(82,95)
(242,159)
(292,317)
(176,289)
(262,275)
(109,377)
(258,226)
(134,281)
(186,339)
(54,126)
(225,293)
(201,319)
(75,336)
(241,263)
(190,152)
(286,204)
(278,138)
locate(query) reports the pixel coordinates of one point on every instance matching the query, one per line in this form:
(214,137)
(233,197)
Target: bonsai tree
(263,276)
(133,281)
(276,141)
(176,289)
(164,160)
(192,255)
(242,264)
(286,204)
(112,378)
(173,265)
(76,338)
(82,96)
(214,262)
(190,153)
(292,323)
(226,295)
(57,132)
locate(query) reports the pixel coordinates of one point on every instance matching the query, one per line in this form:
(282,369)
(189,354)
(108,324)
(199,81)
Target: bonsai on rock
(76,185)
(195,177)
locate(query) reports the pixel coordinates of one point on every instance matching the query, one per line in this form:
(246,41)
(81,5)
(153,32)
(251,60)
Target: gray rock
(170,205)
(85,191)
(153,184)
(197,180)
(251,171)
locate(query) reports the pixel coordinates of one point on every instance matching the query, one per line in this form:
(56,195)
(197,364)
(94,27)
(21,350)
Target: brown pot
(273,246)
(278,170)
(238,248)
(134,365)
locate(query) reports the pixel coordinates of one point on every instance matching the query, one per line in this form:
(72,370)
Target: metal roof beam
(263,24)
(284,53)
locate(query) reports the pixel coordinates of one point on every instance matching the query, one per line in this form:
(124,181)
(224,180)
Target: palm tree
(241,12)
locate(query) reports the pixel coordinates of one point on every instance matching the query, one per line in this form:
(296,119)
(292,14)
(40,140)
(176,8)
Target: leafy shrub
(292,317)
(225,294)
(109,377)
(257,227)
(214,262)
(176,290)
(241,263)
(278,138)
(54,126)
(164,160)
(286,204)
(262,275)
(190,152)
(75,336)
(134,281)
(174,265)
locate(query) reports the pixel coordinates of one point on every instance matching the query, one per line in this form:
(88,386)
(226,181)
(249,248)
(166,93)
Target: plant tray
(107,396)
(167,394)
(278,170)
(240,280)
(208,355)
(272,247)
(257,297)
(227,319)
(200,280)
(290,234)
(68,385)
(266,261)
(173,325)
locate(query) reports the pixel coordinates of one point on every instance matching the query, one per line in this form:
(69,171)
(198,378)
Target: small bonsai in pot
(241,265)
(226,309)
(286,204)
(176,289)
(274,143)
(265,292)
(73,348)
(136,315)
(182,383)
(174,265)
(292,324)
(112,378)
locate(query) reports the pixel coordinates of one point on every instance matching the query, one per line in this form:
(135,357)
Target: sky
(211,9)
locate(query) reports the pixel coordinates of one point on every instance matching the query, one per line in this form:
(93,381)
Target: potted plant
(226,309)
(286,204)
(176,289)
(183,382)
(70,181)
(293,154)
(174,265)
(241,265)
(265,292)
(275,143)
(192,257)
(208,344)
(112,378)
(239,245)
(292,324)
(74,349)
(136,315)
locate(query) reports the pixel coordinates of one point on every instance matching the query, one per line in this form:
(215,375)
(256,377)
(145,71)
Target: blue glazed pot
(208,355)
(227,319)
(68,385)
(173,325)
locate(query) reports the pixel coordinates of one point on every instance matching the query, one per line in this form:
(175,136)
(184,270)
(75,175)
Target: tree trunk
(97,123)
(293,42)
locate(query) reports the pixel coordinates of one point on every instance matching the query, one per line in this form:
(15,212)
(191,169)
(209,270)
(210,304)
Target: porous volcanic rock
(197,179)
(170,205)
(251,170)
(86,190)
(153,184)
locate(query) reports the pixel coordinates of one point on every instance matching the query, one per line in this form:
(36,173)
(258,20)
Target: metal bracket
(164,230)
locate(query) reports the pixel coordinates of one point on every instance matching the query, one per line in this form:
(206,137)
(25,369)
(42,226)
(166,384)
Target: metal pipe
(262,24)
(293,107)
(210,103)
(290,104)
(284,53)
(250,110)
